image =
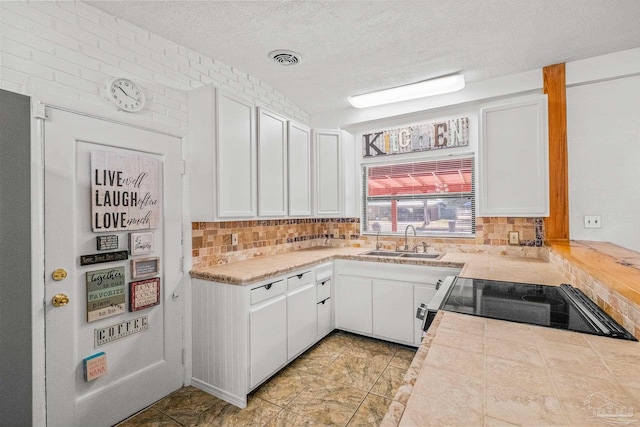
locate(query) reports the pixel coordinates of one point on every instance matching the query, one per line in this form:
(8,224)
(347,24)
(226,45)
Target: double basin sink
(398,254)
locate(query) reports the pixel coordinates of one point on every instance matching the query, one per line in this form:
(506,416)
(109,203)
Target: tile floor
(343,380)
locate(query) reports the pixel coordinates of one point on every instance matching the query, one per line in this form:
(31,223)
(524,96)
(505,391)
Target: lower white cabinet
(393,310)
(302,319)
(268,335)
(354,304)
(380,299)
(243,334)
(325,325)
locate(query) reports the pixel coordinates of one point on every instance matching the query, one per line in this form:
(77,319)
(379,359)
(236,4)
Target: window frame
(366,198)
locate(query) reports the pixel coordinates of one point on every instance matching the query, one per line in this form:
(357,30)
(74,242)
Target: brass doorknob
(59,274)
(60,300)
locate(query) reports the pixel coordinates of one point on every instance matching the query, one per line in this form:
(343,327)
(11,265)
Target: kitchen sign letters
(421,137)
(125,192)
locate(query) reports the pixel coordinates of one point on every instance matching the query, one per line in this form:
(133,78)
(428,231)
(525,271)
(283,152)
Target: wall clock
(125,94)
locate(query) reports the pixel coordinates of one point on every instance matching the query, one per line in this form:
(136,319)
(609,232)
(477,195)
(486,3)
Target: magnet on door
(94,366)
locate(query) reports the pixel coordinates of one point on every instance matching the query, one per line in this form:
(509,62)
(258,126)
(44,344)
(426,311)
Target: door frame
(38,301)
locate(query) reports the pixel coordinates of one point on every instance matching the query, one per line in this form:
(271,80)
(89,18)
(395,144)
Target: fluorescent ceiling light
(421,89)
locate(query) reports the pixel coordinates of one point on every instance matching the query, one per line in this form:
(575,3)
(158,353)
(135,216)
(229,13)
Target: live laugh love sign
(125,192)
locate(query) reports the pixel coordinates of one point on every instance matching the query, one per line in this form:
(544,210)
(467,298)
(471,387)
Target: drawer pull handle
(300,276)
(322,302)
(267,287)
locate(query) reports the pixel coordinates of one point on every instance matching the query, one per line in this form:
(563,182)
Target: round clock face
(126,95)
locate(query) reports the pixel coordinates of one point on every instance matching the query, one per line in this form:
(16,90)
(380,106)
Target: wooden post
(557,224)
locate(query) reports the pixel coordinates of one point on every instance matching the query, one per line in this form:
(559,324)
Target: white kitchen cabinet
(268,334)
(379,299)
(328,173)
(354,304)
(513,159)
(299,168)
(302,319)
(222,156)
(393,310)
(243,334)
(325,325)
(272,164)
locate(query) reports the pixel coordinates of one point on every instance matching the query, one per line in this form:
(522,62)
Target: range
(560,307)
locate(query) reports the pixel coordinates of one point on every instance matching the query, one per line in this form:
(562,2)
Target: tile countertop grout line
(400,399)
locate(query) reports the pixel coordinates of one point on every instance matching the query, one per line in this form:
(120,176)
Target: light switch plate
(592,221)
(234,239)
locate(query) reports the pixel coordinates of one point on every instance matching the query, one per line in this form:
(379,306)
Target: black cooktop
(560,307)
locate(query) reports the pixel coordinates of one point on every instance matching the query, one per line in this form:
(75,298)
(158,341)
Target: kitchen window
(435,196)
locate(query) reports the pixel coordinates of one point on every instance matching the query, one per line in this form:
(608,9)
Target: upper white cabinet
(334,178)
(272,164)
(299,155)
(514,160)
(223,156)
(328,173)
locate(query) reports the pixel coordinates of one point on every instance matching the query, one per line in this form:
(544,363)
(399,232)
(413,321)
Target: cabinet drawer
(323,290)
(324,271)
(267,291)
(301,279)
(324,317)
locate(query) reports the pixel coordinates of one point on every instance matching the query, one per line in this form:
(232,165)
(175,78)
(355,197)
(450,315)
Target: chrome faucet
(406,240)
(425,245)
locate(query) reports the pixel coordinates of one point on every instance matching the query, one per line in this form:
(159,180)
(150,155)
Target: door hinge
(184,355)
(183,166)
(39,110)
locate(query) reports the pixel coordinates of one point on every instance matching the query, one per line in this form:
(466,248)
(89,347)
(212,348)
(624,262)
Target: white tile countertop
(485,372)
(496,267)
(472,371)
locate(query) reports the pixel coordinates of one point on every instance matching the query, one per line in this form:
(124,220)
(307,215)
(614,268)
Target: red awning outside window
(429,177)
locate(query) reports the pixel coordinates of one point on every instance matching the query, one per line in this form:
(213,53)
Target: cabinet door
(328,173)
(324,317)
(421,295)
(236,158)
(353,304)
(514,171)
(299,170)
(302,319)
(268,339)
(272,164)
(393,311)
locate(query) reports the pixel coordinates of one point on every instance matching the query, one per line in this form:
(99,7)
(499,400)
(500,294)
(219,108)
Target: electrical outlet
(592,221)
(514,238)
(234,239)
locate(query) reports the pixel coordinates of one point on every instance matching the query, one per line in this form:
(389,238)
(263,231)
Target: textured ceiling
(352,47)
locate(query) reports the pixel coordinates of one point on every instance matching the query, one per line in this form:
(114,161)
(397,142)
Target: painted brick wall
(67,51)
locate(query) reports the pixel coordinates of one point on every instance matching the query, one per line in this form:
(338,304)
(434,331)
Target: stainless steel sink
(421,255)
(382,253)
(403,254)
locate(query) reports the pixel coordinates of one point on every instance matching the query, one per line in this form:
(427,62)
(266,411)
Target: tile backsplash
(211,241)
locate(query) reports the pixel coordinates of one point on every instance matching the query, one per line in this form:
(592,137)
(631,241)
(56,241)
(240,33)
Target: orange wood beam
(557,224)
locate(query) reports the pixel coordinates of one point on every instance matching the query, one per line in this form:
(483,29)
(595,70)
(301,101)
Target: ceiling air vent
(285,57)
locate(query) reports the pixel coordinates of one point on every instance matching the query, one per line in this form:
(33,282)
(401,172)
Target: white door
(145,363)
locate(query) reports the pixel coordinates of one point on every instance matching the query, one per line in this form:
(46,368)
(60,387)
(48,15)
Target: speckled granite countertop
(496,267)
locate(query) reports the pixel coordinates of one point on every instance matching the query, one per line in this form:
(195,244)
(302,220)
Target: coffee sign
(125,192)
